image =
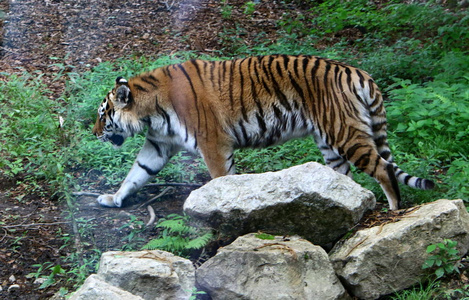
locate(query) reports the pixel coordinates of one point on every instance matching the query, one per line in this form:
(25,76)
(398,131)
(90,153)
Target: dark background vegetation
(59,58)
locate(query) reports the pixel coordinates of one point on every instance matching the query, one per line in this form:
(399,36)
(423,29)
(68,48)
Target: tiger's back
(217,106)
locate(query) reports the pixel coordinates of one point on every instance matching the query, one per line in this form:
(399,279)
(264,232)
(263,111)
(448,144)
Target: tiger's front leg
(150,160)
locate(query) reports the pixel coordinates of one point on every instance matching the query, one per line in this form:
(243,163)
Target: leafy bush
(432,119)
(29,126)
(446,260)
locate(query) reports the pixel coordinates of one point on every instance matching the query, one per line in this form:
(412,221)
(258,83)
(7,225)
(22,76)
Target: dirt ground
(36,36)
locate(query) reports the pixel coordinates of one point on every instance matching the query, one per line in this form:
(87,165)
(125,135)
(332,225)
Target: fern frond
(157,244)
(175,226)
(199,242)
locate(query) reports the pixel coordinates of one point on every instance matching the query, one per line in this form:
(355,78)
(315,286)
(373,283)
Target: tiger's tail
(379,126)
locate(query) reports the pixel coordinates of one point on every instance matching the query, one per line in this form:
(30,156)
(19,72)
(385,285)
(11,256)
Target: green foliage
(226,10)
(446,29)
(279,157)
(80,265)
(333,16)
(29,116)
(133,240)
(196,292)
(445,261)
(432,119)
(264,236)
(48,279)
(178,236)
(459,293)
(249,8)
(421,292)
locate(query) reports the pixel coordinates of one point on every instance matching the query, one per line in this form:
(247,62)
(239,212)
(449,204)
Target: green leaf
(428,264)
(449,268)
(451,244)
(440,272)
(431,248)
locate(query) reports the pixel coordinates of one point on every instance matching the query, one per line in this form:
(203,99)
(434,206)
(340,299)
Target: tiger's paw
(106,200)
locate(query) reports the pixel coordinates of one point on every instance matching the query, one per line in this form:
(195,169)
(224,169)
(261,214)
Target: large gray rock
(384,259)
(253,268)
(310,200)
(149,274)
(95,288)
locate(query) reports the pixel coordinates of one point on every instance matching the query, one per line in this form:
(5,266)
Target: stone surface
(149,274)
(253,268)
(96,288)
(309,200)
(383,259)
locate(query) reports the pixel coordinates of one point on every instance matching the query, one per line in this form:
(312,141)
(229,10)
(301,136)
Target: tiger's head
(110,124)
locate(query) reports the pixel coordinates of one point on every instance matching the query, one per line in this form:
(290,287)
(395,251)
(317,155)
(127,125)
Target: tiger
(214,107)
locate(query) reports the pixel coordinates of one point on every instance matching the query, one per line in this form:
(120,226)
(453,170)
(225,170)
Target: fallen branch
(151,211)
(90,194)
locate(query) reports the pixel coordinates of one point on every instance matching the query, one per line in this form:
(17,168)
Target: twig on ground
(6,233)
(151,211)
(156,197)
(33,224)
(90,194)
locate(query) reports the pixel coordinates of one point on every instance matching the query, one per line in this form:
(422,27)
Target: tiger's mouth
(116,140)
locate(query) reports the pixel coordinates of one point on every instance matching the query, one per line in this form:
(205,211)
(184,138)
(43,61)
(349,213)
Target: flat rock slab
(309,200)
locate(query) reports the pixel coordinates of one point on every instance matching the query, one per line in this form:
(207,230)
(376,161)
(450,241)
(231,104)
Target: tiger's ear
(123,95)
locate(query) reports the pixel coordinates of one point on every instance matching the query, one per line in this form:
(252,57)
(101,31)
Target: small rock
(39,280)
(12,278)
(13,287)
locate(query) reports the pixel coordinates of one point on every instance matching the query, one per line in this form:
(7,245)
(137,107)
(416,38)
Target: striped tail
(412,181)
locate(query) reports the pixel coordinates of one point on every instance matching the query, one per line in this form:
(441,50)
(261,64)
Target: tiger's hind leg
(333,159)
(364,155)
